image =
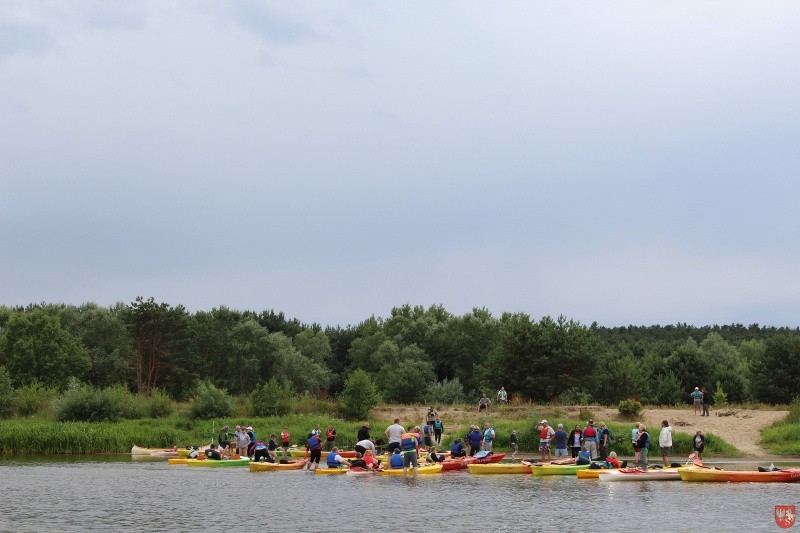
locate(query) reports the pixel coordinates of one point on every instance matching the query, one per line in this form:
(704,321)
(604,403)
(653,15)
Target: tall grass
(783,437)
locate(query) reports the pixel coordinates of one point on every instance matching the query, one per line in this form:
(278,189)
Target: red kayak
(462,462)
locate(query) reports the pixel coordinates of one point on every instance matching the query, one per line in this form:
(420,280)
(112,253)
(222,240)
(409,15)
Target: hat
(543,422)
(696,388)
(249,428)
(226,428)
(513,431)
(561,425)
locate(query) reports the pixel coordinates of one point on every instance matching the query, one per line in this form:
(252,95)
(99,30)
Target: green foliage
(775,370)
(6,393)
(210,402)
(160,405)
(783,437)
(720,396)
(33,398)
(630,409)
(271,399)
(35,348)
(84,403)
(405,381)
(445,392)
(359,396)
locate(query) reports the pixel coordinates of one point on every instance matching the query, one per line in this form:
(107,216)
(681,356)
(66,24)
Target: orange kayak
(268,467)
(696,473)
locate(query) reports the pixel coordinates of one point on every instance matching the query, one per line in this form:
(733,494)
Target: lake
(119,494)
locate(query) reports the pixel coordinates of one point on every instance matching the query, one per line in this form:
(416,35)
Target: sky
(618,162)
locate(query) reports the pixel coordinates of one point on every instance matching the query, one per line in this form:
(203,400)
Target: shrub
(359,395)
(210,402)
(82,403)
(271,399)
(720,396)
(445,392)
(630,409)
(6,393)
(160,405)
(33,398)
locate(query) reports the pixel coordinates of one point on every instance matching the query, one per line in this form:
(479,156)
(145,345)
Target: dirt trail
(740,427)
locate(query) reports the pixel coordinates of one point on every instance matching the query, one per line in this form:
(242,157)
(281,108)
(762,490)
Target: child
(514,442)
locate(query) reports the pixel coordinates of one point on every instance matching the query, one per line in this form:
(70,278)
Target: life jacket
(488,436)
(457,447)
(314,443)
(437,424)
(396,460)
(285,437)
(647,440)
(330,435)
(590,433)
(331,460)
(544,434)
(475,437)
(408,442)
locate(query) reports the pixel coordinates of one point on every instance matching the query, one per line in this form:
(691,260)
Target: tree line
(415,354)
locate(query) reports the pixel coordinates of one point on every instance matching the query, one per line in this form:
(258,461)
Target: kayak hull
(429,469)
(330,471)
(557,470)
(790,475)
(634,474)
(212,463)
(271,467)
(499,468)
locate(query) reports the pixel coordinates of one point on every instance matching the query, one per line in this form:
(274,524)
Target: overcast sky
(618,162)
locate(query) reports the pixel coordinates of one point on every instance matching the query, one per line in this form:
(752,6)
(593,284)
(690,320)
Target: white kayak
(637,474)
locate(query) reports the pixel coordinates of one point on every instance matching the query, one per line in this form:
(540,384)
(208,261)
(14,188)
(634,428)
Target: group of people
(700,400)
(484,402)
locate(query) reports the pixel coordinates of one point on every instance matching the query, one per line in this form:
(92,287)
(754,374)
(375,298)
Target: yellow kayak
(431,469)
(330,471)
(178,460)
(592,473)
(499,468)
(269,467)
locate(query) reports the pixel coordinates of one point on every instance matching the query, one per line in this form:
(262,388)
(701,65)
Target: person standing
(394,435)
(438,428)
(502,396)
(363,432)
(409,444)
(561,441)
(705,401)
(699,444)
(643,442)
(603,438)
(546,434)
(252,444)
(513,441)
(316,431)
(665,441)
(483,403)
(475,439)
(427,432)
(224,438)
(314,447)
(575,441)
(330,438)
(634,442)
(242,440)
(590,439)
(285,441)
(488,437)
(697,399)
(430,418)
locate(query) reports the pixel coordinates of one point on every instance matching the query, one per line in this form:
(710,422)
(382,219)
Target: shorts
(410,459)
(428,441)
(487,446)
(514,447)
(665,450)
(482,408)
(392,447)
(561,452)
(315,455)
(359,449)
(698,403)
(544,445)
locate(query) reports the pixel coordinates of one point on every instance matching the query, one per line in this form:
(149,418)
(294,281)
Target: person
(643,442)
(434,457)
(272,447)
(457,449)
(393,434)
(242,440)
(396,460)
(488,437)
(363,445)
(502,396)
(427,432)
(575,441)
(193,453)
(252,435)
(513,441)
(224,438)
(706,400)
(314,447)
(438,428)
(483,403)
(409,444)
(561,441)
(697,399)
(363,432)
(333,458)
(475,439)
(358,462)
(285,441)
(612,461)
(261,452)
(213,453)
(317,431)
(371,462)
(603,440)
(634,439)
(430,418)
(546,434)
(330,438)
(665,442)
(699,444)
(590,439)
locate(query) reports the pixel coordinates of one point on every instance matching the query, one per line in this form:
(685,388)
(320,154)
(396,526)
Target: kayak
(269,467)
(214,463)
(138,450)
(592,473)
(177,460)
(330,471)
(556,470)
(461,463)
(695,473)
(429,469)
(360,472)
(165,454)
(499,468)
(636,474)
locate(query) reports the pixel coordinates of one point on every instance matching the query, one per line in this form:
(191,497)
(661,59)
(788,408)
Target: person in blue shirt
(396,460)
(333,459)
(457,449)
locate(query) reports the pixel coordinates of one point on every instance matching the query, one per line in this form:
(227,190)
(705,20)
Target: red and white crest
(785,515)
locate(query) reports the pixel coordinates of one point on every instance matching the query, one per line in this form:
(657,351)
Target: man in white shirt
(393,434)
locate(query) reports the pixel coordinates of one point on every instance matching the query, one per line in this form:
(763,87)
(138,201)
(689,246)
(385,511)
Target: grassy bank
(783,438)
(42,436)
